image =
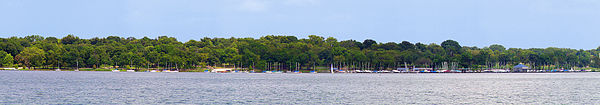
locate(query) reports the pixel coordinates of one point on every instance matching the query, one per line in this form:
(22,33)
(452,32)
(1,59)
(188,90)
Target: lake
(68,87)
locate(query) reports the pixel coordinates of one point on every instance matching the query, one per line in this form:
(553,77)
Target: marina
(516,69)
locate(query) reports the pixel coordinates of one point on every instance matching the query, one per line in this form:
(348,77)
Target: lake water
(49,87)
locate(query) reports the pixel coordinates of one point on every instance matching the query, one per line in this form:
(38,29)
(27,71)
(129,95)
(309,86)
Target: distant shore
(299,72)
(273,52)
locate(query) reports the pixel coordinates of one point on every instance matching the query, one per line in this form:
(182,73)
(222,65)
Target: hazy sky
(512,23)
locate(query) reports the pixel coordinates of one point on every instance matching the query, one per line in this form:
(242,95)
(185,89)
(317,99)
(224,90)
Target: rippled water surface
(49,87)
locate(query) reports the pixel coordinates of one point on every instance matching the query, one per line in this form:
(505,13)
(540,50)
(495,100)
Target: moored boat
(170,71)
(384,71)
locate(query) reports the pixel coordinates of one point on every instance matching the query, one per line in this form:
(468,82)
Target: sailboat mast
(331,68)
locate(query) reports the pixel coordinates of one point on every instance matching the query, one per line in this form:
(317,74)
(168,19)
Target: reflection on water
(49,87)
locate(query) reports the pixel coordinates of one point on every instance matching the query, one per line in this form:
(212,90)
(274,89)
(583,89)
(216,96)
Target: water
(49,87)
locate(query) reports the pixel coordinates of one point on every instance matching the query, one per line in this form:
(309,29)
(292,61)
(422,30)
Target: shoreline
(308,72)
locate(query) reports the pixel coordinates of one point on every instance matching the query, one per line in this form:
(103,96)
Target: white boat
(57,70)
(363,71)
(384,71)
(395,71)
(169,71)
(9,68)
(500,70)
(331,69)
(153,71)
(76,70)
(116,70)
(130,70)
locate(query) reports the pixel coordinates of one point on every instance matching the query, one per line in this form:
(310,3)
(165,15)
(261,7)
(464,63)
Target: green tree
(496,47)
(282,51)
(452,47)
(7,61)
(69,39)
(32,57)
(368,43)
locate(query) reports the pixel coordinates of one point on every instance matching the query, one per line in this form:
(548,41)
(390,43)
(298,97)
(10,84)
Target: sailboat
(331,68)
(77,69)
(314,69)
(116,70)
(297,68)
(58,69)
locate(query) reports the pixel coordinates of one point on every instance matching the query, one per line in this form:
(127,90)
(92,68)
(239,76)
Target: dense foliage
(268,51)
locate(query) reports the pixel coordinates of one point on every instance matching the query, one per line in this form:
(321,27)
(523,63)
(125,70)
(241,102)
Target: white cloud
(300,2)
(265,5)
(254,5)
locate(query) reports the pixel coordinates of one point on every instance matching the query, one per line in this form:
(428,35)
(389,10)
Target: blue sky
(512,23)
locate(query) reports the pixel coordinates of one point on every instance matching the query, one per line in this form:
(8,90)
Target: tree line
(267,52)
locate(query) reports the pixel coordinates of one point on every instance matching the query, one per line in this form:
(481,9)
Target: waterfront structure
(520,68)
